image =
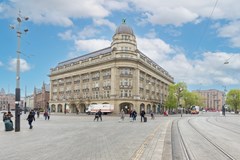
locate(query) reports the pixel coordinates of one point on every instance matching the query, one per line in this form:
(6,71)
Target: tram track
(221,126)
(211,142)
(183,144)
(235,124)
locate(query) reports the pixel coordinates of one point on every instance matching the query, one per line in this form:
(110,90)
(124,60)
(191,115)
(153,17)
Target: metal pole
(17,91)
(25,104)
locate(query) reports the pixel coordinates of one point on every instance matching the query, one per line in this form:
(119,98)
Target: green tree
(171,99)
(175,93)
(191,98)
(233,99)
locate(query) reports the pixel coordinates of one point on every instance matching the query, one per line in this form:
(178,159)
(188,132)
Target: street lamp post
(17,90)
(224,98)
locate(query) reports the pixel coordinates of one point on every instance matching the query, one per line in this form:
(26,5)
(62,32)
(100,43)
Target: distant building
(120,75)
(7,100)
(30,101)
(213,99)
(41,97)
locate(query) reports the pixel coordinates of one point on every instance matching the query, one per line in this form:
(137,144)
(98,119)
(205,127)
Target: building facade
(212,99)
(120,75)
(7,100)
(30,101)
(41,97)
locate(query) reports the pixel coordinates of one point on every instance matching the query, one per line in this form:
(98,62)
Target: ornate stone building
(7,100)
(41,97)
(120,75)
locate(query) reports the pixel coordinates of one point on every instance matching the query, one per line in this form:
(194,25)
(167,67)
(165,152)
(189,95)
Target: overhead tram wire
(205,29)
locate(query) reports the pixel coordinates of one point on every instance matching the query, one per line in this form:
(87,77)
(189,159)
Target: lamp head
(226,62)
(19,19)
(26,30)
(11,26)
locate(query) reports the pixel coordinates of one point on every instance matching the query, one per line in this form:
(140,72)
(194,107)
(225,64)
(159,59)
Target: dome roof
(124,29)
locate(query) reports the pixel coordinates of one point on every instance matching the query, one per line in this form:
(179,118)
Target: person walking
(122,115)
(30,119)
(100,114)
(142,115)
(46,115)
(96,116)
(38,113)
(152,115)
(134,115)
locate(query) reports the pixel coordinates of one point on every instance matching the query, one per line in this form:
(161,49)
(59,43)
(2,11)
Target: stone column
(114,82)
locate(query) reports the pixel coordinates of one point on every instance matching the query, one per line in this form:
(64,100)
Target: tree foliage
(191,98)
(233,99)
(179,95)
(175,92)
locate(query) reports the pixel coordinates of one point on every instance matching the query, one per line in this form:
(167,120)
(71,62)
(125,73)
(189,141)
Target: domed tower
(124,40)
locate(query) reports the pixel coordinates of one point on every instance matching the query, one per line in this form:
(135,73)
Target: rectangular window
(122,93)
(125,93)
(125,82)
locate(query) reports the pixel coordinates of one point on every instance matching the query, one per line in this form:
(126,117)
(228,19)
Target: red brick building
(41,97)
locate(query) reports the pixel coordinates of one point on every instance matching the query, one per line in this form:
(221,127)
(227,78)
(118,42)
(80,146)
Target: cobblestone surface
(75,137)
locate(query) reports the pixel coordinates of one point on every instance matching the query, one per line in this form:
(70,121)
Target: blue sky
(190,39)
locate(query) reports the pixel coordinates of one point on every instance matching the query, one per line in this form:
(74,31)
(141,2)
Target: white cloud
(91,44)
(87,32)
(87,46)
(1,64)
(151,34)
(61,12)
(175,12)
(154,48)
(58,12)
(67,35)
(24,66)
(105,22)
(231,31)
(207,70)
(117,5)
(178,12)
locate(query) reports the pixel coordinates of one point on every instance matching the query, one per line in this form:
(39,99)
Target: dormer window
(125,37)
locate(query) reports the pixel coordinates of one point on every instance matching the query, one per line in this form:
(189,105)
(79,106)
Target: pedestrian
(46,115)
(96,116)
(38,113)
(8,124)
(9,115)
(152,115)
(122,114)
(142,115)
(30,119)
(134,115)
(100,114)
(5,117)
(130,113)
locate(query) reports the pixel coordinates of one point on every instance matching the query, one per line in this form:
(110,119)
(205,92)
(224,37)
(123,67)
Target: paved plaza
(78,137)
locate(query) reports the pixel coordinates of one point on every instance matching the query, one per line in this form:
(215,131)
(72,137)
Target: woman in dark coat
(30,118)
